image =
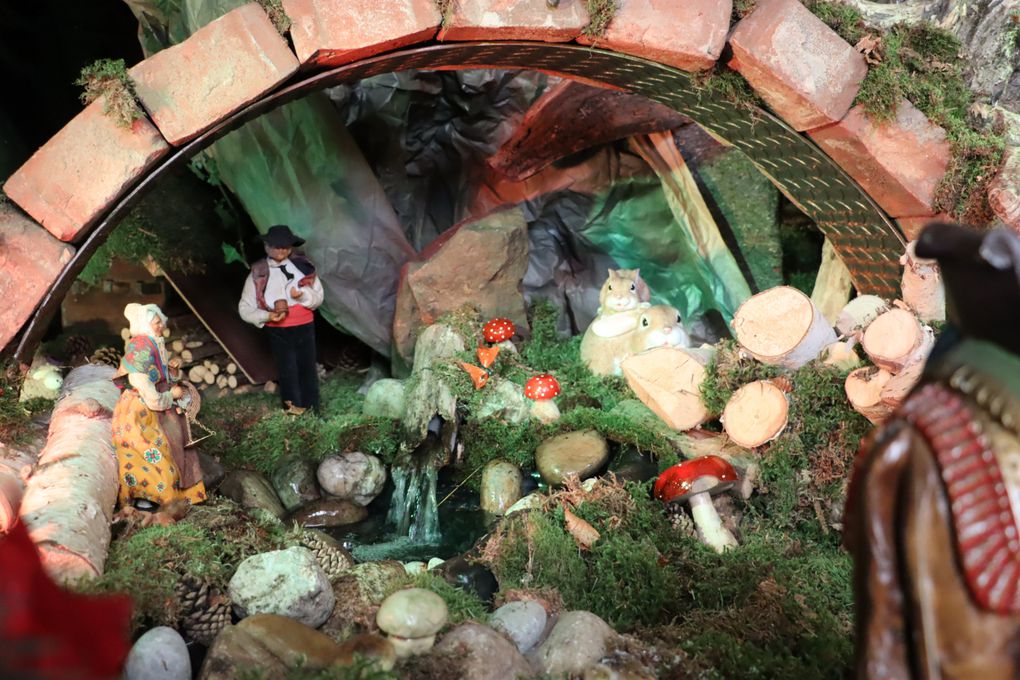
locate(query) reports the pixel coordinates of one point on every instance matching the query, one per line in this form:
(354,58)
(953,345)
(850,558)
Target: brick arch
(82,182)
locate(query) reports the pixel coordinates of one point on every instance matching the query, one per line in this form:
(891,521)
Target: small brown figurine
(933,515)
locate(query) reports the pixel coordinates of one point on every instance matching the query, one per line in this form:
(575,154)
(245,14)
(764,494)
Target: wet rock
(328,512)
(523,621)
(290,640)
(580,453)
(355,476)
(578,641)
(630,465)
(385,399)
(358,594)
(484,654)
(251,490)
(368,646)
(501,486)
(412,613)
(294,482)
(505,402)
(159,654)
(475,578)
(286,582)
(533,501)
(235,650)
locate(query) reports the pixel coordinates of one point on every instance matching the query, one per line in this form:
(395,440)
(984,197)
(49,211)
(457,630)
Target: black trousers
(294,350)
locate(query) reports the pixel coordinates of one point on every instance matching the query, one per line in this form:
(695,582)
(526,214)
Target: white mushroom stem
(545,410)
(710,527)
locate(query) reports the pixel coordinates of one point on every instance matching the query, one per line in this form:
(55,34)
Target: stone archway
(82,182)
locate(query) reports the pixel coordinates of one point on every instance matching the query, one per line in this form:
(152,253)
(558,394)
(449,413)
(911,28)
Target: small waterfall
(414,512)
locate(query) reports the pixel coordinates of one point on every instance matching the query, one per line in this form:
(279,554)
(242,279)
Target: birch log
(864,390)
(668,381)
(69,499)
(922,286)
(756,414)
(782,327)
(896,340)
(860,312)
(14,468)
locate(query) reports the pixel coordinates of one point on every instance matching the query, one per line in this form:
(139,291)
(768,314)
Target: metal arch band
(868,243)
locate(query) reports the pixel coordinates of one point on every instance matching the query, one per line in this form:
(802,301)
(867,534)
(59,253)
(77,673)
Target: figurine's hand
(176,391)
(277,317)
(295,293)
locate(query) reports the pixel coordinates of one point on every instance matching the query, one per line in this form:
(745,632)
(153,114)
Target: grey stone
(412,613)
(328,512)
(501,486)
(578,641)
(251,490)
(160,654)
(355,476)
(505,402)
(385,399)
(436,343)
(294,481)
(581,453)
(286,582)
(484,654)
(523,621)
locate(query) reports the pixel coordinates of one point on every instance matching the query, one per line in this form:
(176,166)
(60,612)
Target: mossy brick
(898,162)
(514,20)
(329,33)
(689,35)
(30,262)
(802,69)
(190,87)
(68,183)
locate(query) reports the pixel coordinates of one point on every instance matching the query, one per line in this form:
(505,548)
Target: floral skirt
(145,442)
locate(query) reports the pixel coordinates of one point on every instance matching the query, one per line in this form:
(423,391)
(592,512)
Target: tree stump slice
(782,327)
(896,390)
(864,390)
(756,414)
(896,339)
(668,381)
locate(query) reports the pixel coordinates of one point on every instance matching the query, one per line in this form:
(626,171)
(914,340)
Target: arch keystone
(226,64)
(514,20)
(83,168)
(899,162)
(688,35)
(333,33)
(800,67)
(30,262)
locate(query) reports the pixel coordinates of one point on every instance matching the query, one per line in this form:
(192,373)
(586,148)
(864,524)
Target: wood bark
(756,414)
(896,340)
(69,498)
(922,286)
(864,390)
(859,312)
(782,327)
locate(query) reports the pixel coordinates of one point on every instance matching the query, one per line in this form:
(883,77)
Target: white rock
(412,613)
(578,641)
(522,621)
(434,562)
(355,476)
(160,654)
(286,582)
(533,501)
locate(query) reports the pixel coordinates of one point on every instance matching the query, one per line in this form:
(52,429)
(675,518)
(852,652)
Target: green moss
(363,668)
(108,78)
(15,416)
(274,8)
(600,14)
(844,19)
(720,81)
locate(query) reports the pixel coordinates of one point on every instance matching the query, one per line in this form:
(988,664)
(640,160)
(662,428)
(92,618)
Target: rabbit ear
(610,271)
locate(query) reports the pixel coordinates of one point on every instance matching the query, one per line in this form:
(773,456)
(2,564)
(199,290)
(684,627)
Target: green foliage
(600,15)
(720,81)
(108,78)
(15,416)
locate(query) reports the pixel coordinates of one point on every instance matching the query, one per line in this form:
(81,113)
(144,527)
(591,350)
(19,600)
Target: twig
(462,483)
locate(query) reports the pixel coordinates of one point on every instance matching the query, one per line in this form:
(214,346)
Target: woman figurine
(148,431)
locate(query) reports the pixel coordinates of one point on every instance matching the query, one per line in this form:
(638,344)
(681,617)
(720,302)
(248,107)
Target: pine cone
(77,346)
(354,358)
(330,555)
(783,383)
(191,594)
(106,355)
(205,624)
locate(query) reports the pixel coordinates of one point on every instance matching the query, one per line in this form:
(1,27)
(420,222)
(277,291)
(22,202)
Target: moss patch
(108,78)
(600,14)
(274,8)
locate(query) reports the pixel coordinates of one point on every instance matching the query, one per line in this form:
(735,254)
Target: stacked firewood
(203,360)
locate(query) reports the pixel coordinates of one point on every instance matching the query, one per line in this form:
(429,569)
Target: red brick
(226,64)
(1004,191)
(800,67)
(515,20)
(912,226)
(649,29)
(899,163)
(30,261)
(82,169)
(329,33)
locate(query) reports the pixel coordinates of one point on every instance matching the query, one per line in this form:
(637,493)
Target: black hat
(280,236)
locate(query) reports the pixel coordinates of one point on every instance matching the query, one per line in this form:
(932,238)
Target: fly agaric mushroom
(542,388)
(696,481)
(498,330)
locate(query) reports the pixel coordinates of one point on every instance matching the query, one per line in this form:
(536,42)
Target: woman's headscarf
(140,317)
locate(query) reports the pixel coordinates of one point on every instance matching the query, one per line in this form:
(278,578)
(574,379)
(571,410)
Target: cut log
(896,390)
(231,368)
(922,286)
(864,390)
(209,378)
(221,381)
(896,339)
(196,374)
(232,381)
(755,414)
(668,381)
(194,344)
(69,499)
(177,346)
(782,327)
(860,312)
(832,284)
(214,368)
(206,350)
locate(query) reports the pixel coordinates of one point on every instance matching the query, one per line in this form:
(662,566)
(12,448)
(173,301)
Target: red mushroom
(696,481)
(498,330)
(542,389)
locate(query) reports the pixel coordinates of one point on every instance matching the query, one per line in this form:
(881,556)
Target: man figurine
(280,295)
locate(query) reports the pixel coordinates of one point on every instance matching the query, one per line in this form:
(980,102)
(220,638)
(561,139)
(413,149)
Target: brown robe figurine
(933,513)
